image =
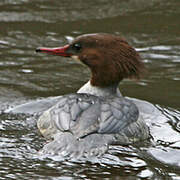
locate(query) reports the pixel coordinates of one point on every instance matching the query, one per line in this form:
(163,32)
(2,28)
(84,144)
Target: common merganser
(97,115)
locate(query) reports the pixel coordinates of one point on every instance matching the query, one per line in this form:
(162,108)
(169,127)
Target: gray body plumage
(84,124)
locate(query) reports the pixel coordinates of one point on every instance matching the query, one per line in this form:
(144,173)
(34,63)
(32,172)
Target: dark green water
(152,27)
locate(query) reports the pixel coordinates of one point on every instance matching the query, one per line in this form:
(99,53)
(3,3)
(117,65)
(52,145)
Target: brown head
(109,57)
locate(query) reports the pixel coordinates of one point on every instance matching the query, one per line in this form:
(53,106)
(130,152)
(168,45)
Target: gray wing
(75,113)
(116,114)
(84,125)
(82,115)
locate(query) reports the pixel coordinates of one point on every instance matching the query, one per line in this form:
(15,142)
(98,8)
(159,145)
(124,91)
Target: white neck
(99,91)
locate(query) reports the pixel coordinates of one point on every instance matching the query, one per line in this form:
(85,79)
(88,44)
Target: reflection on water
(150,26)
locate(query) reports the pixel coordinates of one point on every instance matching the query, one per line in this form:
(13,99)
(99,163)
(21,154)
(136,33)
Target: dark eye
(77,47)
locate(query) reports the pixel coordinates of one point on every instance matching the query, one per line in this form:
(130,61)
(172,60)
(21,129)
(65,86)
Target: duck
(87,122)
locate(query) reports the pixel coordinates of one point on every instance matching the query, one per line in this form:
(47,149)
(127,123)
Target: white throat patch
(76,58)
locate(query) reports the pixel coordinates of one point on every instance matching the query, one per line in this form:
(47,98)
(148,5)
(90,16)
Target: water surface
(152,27)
